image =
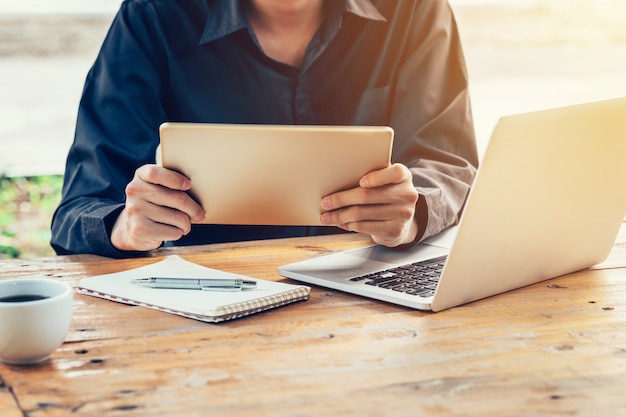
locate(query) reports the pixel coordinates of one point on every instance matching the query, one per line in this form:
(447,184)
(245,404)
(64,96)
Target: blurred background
(522,55)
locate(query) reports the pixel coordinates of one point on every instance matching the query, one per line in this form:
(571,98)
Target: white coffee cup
(35,317)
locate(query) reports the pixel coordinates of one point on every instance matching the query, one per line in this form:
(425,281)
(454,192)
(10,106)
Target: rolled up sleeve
(431,115)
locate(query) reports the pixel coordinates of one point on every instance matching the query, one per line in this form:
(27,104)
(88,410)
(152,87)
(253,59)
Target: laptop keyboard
(419,278)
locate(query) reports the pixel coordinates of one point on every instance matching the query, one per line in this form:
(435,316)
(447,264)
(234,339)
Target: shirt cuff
(97,226)
(439,215)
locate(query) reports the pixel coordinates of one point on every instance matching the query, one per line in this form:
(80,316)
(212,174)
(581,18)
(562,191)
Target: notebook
(268,174)
(208,306)
(548,199)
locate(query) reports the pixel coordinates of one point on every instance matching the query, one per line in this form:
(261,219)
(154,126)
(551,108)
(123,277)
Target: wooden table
(554,348)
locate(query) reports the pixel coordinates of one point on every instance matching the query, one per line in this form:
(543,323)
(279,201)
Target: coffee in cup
(35,317)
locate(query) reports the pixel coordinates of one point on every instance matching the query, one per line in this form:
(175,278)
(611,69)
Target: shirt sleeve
(432,119)
(112,137)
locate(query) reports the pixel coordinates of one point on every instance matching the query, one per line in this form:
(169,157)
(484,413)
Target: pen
(206,284)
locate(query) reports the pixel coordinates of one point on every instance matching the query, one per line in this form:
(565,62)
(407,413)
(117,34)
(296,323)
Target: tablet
(271,174)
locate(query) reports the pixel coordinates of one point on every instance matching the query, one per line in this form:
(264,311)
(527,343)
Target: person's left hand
(383,206)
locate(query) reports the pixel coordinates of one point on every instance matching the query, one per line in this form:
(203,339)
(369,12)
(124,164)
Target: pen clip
(212,288)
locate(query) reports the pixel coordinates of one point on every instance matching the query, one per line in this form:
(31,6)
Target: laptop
(271,174)
(548,199)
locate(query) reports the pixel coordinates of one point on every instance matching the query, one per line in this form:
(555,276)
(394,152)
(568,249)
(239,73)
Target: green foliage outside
(26,207)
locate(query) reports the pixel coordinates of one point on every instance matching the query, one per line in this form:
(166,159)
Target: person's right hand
(157,209)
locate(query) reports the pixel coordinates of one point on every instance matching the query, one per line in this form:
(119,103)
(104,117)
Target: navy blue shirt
(388,62)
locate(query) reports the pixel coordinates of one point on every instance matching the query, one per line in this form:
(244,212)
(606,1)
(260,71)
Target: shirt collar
(227,16)
(363,8)
(224,18)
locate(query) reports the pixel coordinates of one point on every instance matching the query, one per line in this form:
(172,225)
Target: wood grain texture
(556,348)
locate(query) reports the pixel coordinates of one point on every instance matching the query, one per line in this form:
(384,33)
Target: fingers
(162,204)
(154,174)
(140,233)
(164,188)
(393,174)
(157,209)
(370,213)
(377,187)
(390,232)
(383,206)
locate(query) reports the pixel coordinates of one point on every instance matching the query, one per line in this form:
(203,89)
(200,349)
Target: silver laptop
(270,174)
(548,199)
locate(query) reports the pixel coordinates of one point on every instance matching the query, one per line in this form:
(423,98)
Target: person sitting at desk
(336,62)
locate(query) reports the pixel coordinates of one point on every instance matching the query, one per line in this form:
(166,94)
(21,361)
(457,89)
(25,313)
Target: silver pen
(205,284)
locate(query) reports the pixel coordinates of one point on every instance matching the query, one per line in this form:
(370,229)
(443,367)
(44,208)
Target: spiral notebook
(207,306)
